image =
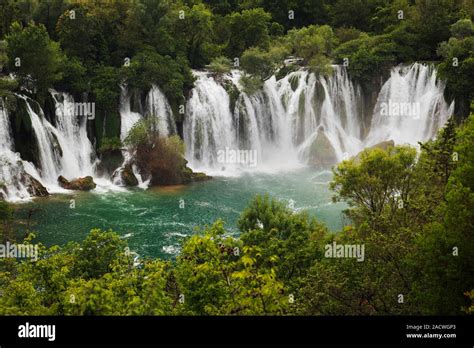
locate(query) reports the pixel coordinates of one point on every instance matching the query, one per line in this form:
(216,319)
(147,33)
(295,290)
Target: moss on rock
(80,184)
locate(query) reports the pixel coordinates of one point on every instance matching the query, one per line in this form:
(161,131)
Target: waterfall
(307,119)
(160,110)
(12,169)
(78,157)
(417,89)
(47,141)
(127,117)
(208,124)
(157,110)
(66,149)
(5,135)
(300,119)
(62,150)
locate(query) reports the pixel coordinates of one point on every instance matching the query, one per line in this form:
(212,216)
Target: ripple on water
(154,225)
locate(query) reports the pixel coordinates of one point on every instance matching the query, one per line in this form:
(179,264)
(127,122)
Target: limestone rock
(321,152)
(80,184)
(34,187)
(128,177)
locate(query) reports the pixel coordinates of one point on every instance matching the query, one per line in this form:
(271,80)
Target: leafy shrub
(220,65)
(250,84)
(110,144)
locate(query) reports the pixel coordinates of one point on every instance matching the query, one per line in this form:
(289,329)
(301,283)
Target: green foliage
(110,144)
(422,249)
(250,28)
(288,241)
(431,22)
(368,55)
(220,65)
(162,158)
(96,277)
(138,135)
(344,34)
(77,35)
(462,28)
(314,44)
(74,77)
(374,182)
(439,153)
(40,57)
(6,217)
(354,13)
(148,67)
(257,62)
(424,244)
(6,211)
(145,132)
(413,212)
(105,88)
(458,65)
(251,84)
(7,86)
(220,276)
(163,39)
(446,246)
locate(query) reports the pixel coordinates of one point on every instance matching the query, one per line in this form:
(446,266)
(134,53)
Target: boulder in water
(128,177)
(199,176)
(109,162)
(321,152)
(34,187)
(190,176)
(80,184)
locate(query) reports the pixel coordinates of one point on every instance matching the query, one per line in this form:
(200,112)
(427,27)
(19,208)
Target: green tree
(250,28)
(288,241)
(220,65)
(79,36)
(97,254)
(457,67)
(445,260)
(375,182)
(314,44)
(218,275)
(38,57)
(173,76)
(6,217)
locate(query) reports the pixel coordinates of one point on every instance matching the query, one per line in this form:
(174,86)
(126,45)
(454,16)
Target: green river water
(154,221)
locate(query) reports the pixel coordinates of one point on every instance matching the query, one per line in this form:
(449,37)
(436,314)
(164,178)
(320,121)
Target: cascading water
(208,125)
(127,117)
(297,120)
(410,107)
(48,146)
(308,119)
(5,135)
(13,171)
(78,152)
(279,123)
(157,110)
(65,150)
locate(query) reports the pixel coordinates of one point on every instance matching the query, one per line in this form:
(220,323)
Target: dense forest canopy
(92,46)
